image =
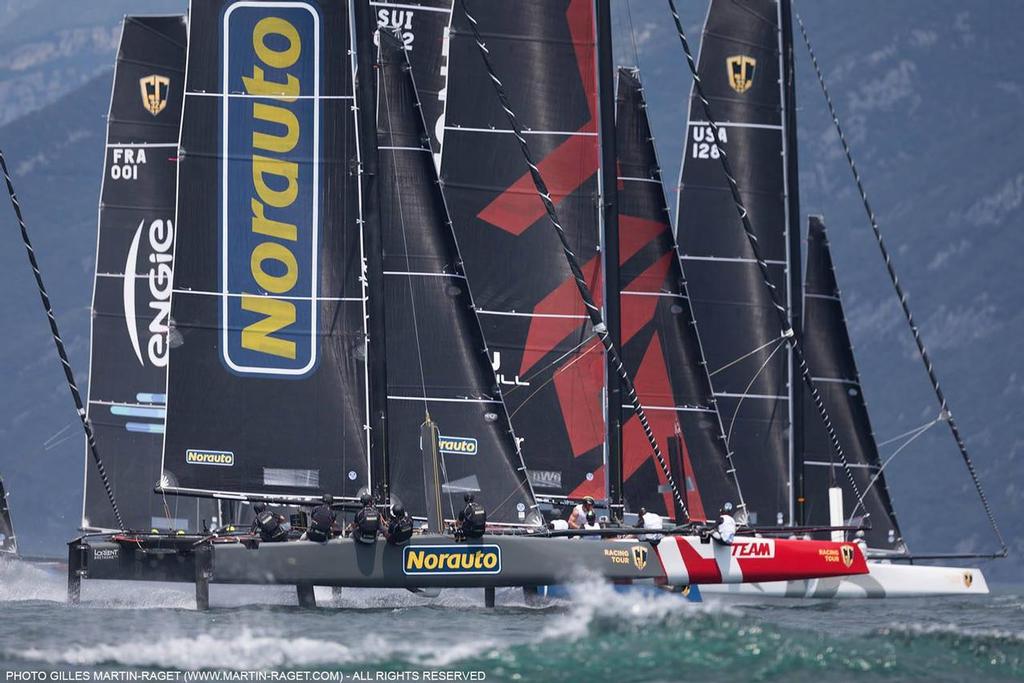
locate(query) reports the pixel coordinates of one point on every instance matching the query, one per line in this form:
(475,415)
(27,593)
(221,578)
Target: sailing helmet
(469,498)
(365,499)
(588,500)
(327,499)
(726,508)
(258,508)
(398,510)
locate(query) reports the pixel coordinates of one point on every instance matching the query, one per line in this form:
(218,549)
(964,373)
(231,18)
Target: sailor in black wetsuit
(321,521)
(473,518)
(366,525)
(268,524)
(400,526)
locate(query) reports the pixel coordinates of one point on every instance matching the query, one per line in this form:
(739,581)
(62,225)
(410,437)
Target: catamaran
(746,82)
(8,541)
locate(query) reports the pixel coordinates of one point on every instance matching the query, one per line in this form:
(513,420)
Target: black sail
(8,542)
(660,344)
(834,371)
(750,364)
(422,26)
(437,359)
(267,385)
(132,286)
(549,364)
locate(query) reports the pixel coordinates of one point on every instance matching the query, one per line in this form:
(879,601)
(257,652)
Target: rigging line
(907,433)
(787,330)
(747,355)
(550,379)
(732,422)
(918,432)
(901,293)
(59,343)
(600,328)
(405,239)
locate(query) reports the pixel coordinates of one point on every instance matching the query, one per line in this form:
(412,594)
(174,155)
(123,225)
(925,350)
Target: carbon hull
(434,561)
(882,581)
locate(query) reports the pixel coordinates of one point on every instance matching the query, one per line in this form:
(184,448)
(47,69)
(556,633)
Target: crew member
(322,520)
(473,518)
(558,525)
(366,525)
(649,520)
(578,517)
(268,524)
(400,527)
(725,529)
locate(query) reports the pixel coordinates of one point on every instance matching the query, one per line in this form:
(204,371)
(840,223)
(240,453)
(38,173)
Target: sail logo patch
(270,194)
(545,479)
(761,548)
(740,69)
(105,554)
(457,445)
(159,240)
(155,89)
(430,560)
(194,456)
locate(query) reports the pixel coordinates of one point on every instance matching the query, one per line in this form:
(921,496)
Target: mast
(609,216)
(793,232)
(366,144)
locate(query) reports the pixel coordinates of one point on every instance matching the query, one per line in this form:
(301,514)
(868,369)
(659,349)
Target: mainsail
(267,386)
(830,357)
(8,542)
(132,287)
(549,363)
(660,344)
(741,66)
(438,366)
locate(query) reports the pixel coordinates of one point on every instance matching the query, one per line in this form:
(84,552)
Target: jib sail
(422,26)
(8,543)
(740,67)
(132,287)
(548,361)
(267,389)
(436,355)
(830,358)
(660,344)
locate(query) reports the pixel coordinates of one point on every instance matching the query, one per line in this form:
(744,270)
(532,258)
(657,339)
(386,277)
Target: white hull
(883,580)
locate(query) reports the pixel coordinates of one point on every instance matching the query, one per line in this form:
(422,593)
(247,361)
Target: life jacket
(400,530)
(367,524)
(271,530)
(320,522)
(474,520)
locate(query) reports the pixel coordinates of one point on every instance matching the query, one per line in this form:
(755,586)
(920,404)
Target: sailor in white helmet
(578,517)
(725,529)
(649,520)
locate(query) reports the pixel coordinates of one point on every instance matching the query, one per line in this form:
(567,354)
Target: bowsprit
(270,175)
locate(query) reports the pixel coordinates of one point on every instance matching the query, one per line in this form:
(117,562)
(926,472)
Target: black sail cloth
(750,364)
(436,355)
(549,364)
(660,344)
(267,390)
(834,370)
(132,287)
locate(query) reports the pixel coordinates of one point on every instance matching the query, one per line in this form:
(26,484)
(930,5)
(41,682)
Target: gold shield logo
(639,554)
(154,93)
(968,579)
(847,552)
(740,69)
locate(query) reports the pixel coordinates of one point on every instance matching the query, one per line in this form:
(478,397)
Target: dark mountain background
(931,97)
